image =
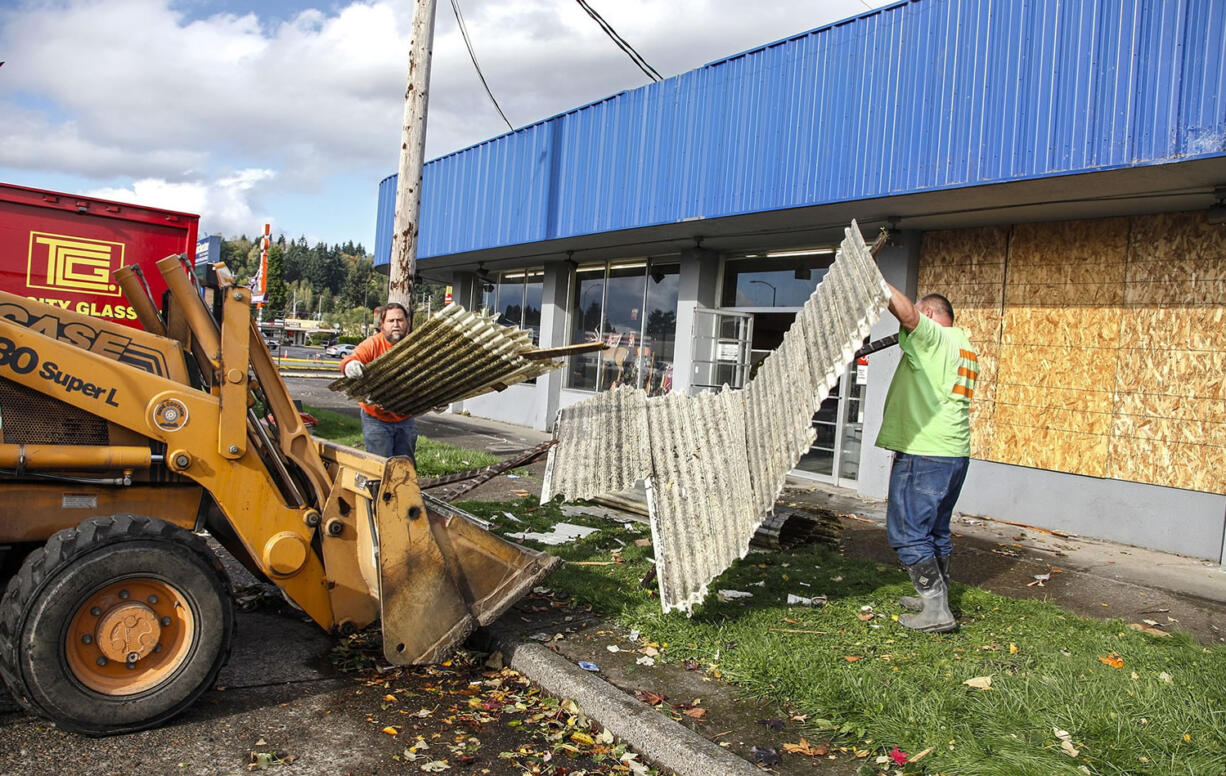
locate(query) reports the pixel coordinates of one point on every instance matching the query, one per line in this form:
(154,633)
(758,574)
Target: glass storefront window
(519,301)
(660,329)
(632,308)
(586,326)
(773,282)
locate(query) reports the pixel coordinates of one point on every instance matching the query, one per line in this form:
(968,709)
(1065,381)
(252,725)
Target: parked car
(339,351)
(271,343)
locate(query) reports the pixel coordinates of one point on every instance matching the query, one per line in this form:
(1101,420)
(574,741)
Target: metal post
(412,157)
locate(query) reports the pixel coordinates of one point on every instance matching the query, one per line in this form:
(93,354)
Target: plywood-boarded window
(1102,344)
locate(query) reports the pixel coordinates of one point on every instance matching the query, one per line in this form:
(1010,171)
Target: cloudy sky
(290,112)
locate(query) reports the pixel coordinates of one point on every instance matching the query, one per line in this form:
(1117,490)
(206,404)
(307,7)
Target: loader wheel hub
(129,636)
(128,632)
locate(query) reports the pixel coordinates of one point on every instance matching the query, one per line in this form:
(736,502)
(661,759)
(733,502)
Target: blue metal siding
(917,96)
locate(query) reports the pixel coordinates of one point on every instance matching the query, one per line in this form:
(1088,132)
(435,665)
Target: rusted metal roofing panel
(715,463)
(454,355)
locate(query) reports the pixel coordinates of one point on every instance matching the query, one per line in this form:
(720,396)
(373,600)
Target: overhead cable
(621,42)
(459,17)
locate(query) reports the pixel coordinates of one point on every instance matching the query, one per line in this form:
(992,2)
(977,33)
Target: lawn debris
(766,757)
(979,683)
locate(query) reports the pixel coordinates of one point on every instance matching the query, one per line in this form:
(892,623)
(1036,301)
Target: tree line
(336,283)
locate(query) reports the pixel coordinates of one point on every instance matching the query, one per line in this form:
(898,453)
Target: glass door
(723,342)
(839,426)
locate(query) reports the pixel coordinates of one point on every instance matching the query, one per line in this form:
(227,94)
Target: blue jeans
(389,439)
(923,491)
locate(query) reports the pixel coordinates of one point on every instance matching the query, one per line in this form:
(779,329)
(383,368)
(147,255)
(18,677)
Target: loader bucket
(441,573)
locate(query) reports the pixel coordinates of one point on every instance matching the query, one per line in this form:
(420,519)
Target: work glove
(353,370)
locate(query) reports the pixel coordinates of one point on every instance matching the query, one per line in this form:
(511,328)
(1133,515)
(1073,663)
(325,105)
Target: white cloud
(225,201)
(137,96)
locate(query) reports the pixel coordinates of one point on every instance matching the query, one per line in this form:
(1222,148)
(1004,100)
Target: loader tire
(115,625)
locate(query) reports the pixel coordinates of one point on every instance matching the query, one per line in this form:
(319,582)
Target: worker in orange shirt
(384,433)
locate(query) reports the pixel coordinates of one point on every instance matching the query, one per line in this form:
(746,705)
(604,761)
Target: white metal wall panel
(715,463)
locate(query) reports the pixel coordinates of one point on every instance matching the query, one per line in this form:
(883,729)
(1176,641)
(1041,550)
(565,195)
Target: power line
(621,42)
(459,17)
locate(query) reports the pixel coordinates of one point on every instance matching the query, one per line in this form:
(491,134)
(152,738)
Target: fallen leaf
(649,697)
(391,731)
(1148,629)
(435,766)
(642,542)
(1113,660)
(691,665)
(922,755)
(1164,676)
(980,682)
(865,616)
(1012,648)
(390,698)
(805,748)
(851,658)
(696,713)
(898,756)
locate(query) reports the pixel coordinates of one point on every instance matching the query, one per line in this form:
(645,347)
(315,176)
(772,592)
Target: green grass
(433,458)
(1163,712)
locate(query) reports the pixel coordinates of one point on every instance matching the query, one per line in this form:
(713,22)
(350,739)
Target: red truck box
(61,249)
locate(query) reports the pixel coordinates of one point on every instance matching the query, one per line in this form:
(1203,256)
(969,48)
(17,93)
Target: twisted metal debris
(715,463)
(455,355)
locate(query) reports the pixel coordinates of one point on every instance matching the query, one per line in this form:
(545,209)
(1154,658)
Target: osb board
(1195,467)
(981,428)
(1057,367)
(1162,405)
(1066,451)
(1082,327)
(1182,328)
(1102,345)
(942,277)
(1069,243)
(1053,418)
(1196,373)
(1089,400)
(1169,237)
(1195,432)
(964,247)
(1177,271)
(1066,295)
(1185,292)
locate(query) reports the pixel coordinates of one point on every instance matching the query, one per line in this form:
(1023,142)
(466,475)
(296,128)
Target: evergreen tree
(274,302)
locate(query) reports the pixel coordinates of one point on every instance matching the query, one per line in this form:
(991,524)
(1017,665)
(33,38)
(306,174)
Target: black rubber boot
(935,617)
(913,602)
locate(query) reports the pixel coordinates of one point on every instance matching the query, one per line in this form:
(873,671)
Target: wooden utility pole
(412,156)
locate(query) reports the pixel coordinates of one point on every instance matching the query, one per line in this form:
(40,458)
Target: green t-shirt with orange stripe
(927,409)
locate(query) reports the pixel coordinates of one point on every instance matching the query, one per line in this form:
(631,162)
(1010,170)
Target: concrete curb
(660,740)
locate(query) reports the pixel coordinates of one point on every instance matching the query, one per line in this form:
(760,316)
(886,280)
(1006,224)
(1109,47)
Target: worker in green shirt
(926,423)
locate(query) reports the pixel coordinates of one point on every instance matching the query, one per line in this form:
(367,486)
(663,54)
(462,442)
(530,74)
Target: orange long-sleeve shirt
(368,350)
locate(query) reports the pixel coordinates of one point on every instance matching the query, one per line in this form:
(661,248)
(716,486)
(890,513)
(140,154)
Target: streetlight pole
(774,291)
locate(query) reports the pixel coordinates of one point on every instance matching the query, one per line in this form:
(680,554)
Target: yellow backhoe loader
(122,447)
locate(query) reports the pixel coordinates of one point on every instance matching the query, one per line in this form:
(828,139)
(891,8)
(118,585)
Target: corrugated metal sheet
(454,355)
(917,96)
(715,463)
